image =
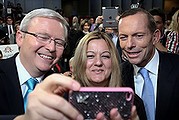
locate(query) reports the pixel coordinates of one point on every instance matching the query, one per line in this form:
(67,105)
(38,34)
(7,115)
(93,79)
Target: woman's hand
(115,115)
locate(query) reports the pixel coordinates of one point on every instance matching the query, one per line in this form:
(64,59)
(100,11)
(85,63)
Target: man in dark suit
(138,35)
(41,39)
(9,29)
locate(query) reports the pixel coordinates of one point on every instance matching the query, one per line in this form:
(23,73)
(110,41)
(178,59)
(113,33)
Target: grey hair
(47,13)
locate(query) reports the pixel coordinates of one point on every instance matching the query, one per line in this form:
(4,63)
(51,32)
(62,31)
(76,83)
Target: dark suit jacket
(167,103)
(5,29)
(11,99)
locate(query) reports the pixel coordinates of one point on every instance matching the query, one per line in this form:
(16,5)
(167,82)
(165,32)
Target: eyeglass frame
(42,40)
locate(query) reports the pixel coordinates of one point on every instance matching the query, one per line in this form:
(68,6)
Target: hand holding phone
(92,100)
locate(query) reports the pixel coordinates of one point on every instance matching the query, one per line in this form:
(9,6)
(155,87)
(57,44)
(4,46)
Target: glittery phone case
(92,100)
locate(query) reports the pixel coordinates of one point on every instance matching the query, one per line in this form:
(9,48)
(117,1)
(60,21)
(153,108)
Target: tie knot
(144,72)
(31,83)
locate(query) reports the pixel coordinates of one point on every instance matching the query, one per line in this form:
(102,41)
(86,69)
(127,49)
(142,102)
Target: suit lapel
(127,74)
(165,84)
(13,89)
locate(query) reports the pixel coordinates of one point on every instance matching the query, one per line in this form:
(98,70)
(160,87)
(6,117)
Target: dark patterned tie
(10,30)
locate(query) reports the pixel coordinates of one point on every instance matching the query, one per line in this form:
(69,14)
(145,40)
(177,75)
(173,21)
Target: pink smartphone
(92,100)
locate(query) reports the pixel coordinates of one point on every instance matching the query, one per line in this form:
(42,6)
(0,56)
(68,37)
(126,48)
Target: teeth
(133,53)
(46,57)
(98,70)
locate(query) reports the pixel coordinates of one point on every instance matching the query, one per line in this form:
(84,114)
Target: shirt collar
(22,72)
(150,66)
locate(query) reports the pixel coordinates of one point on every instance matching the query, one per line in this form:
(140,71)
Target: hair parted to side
(151,22)
(80,58)
(46,13)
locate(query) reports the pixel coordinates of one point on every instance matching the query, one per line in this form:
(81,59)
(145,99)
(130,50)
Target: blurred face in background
(159,23)
(86,27)
(91,20)
(108,30)
(99,20)
(9,21)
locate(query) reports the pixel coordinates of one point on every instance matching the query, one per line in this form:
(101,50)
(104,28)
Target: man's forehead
(138,17)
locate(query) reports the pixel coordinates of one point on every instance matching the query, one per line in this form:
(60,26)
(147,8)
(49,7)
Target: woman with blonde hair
(172,42)
(82,56)
(174,25)
(96,64)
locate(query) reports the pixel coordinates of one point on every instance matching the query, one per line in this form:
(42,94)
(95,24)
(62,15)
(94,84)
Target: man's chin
(133,61)
(44,68)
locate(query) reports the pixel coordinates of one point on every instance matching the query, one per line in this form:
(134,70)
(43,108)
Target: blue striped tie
(148,95)
(31,83)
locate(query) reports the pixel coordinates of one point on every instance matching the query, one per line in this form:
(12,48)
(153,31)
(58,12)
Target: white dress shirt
(23,75)
(152,67)
(114,39)
(10,29)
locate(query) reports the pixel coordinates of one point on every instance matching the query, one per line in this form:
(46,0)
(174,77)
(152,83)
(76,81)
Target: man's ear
(156,36)
(19,38)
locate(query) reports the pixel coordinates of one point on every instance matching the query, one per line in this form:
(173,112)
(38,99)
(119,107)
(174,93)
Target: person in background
(84,26)
(172,43)
(98,21)
(9,29)
(138,34)
(91,21)
(96,64)
(113,33)
(174,23)
(16,28)
(42,38)
(81,19)
(159,17)
(18,12)
(74,36)
(70,72)
(75,23)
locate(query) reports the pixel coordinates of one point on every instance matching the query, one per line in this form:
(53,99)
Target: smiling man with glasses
(41,39)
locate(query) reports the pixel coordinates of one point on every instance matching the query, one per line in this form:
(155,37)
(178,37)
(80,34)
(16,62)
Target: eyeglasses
(46,39)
